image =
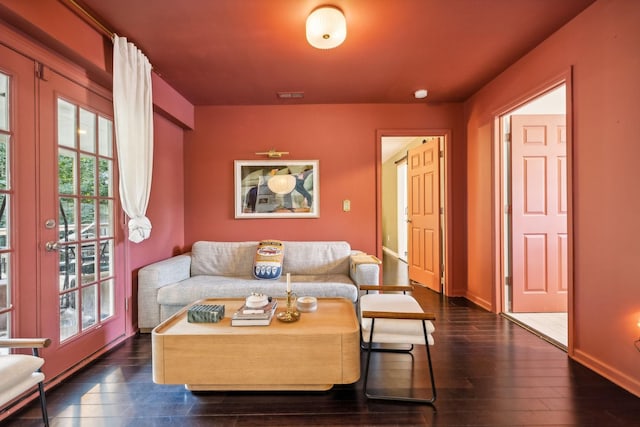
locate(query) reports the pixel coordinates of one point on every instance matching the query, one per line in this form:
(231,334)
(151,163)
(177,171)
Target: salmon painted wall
(602,46)
(166,205)
(479,210)
(342,137)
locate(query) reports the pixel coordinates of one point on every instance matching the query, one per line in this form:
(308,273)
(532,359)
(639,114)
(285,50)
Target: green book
(205,313)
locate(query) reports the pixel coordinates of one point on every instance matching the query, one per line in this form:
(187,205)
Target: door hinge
(507,209)
(41,72)
(441,211)
(441,154)
(507,137)
(126,305)
(507,281)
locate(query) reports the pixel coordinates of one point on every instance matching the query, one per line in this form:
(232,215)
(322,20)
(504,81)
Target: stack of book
(261,316)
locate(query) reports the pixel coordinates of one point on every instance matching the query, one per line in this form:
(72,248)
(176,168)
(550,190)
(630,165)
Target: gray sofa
(225,270)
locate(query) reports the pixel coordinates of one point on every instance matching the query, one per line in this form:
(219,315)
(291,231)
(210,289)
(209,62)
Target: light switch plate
(346,205)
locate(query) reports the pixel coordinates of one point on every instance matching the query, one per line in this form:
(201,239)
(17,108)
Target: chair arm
(386,288)
(397,315)
(25,342)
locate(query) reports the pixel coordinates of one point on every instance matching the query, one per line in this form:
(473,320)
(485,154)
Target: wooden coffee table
(314,353)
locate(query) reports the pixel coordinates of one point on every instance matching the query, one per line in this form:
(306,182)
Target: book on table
(251,311)
(261,316)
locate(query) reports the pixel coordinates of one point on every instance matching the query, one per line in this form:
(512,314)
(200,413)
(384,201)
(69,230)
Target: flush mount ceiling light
(326,27)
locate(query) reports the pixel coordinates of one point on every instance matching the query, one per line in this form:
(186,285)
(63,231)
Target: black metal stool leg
(43,405)
(400,398)
(43,400)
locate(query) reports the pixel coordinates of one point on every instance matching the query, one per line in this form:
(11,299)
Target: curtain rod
(92,20)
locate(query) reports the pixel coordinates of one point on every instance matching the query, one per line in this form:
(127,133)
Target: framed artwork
(276,189)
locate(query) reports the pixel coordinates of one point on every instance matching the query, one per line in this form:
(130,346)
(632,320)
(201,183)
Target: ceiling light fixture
(326,27)
(420,94)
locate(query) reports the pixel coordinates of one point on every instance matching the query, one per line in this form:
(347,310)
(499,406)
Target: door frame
(499,199)
(447,289)
(401,207)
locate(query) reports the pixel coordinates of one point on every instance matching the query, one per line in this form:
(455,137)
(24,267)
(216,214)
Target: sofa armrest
(153,277)
(365,269)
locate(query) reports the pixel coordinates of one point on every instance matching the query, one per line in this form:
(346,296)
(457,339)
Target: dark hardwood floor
(489,372)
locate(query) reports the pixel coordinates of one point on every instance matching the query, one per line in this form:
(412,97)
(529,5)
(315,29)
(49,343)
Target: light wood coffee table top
(314,353)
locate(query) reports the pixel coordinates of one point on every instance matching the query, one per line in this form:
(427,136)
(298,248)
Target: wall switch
(346,205)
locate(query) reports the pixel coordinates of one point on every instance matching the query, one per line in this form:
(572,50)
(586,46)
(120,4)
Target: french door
(61,234)
(17,183)
(80,238)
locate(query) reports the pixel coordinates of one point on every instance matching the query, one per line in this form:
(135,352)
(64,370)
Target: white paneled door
(539,218)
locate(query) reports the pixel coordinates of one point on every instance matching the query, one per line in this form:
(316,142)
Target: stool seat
(393,318)
(21,372)
(394,331)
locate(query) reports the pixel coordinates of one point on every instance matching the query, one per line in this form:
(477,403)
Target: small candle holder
(291,314)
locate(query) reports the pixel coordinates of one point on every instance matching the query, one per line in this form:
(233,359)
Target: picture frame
(276,189)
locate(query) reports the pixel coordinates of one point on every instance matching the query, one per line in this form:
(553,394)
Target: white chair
(21,372)
(394,318)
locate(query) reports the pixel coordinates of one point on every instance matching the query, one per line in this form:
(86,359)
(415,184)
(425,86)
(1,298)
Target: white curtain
(133,113)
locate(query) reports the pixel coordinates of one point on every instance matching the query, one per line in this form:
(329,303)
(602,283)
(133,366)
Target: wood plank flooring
(489,372)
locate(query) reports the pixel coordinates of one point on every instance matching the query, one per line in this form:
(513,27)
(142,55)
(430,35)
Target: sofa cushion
(324,285)
(222,258)
(316,258)
(199,287)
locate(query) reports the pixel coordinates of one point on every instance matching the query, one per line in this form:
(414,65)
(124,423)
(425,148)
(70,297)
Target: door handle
(409,221)
(52,246)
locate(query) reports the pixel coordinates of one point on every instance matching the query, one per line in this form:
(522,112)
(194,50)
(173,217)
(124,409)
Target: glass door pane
(85,182)
(5,202)
(82,294)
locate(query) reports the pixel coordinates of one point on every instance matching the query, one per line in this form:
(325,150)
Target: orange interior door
(424,214)
(539,213)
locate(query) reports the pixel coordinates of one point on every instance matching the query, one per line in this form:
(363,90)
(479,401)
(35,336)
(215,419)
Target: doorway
(395,195)
(535,223)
